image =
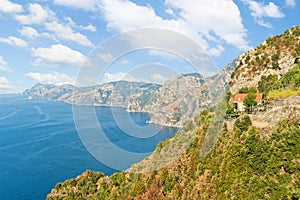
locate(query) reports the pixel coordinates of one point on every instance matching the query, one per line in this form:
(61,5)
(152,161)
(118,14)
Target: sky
(48,41)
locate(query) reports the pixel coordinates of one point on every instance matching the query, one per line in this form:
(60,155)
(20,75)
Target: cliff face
(179,99)
(114,93)
(47,91)
(275,56)
(182,97)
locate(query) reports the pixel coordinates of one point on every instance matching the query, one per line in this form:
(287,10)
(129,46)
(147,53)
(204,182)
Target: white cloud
(170,11)
(89,27)
(51,78)
(164,54)
(263,23)
(125,62)
(5,84)
(86,4)
(67,33)
(136,16)
(216,51)
(203,21)
(29,32)
(158,78)
(262,10)
(210,23)
(3,65)
(134,77)
(9,7)
(57,55)
(259,10)
(14,41)
(37,15)
(106,57)
(215,20)
(112,77)
(109,77)
(290,3)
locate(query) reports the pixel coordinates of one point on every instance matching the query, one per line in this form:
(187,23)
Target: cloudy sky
(46,41)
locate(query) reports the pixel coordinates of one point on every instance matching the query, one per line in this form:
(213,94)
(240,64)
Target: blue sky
(46,41)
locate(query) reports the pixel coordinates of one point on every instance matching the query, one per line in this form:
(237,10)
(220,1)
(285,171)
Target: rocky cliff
(179,99)
(109,94)
(184,96)
(275,56)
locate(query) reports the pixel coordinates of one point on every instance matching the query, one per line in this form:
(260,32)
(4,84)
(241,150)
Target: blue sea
(40,146)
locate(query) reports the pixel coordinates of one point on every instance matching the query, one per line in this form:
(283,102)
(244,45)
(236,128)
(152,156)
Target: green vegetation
(250,101)
(247,163)
(268,54)
(283,93)
(247,90)
(242,124)
(288,85)
(290,79)
(243,163)
(266,83)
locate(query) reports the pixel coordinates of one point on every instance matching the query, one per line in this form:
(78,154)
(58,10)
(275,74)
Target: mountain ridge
(180,98)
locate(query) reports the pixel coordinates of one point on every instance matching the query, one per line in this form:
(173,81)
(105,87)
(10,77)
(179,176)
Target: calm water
(39,145)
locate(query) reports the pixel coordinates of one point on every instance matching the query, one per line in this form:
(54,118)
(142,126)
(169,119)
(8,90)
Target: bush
(242,124)
(117,179)
(266,83)
(246,90)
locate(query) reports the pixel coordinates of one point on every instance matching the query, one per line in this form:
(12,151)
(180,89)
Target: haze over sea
(39,145)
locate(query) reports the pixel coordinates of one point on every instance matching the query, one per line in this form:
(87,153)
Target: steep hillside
(275,56)
(246,163)
(184,96)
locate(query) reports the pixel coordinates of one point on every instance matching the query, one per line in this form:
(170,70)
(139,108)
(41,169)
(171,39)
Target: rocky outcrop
(277,110)
(275,56)
(184,96)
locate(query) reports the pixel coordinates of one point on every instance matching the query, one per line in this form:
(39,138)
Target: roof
(241,97)
(259,97)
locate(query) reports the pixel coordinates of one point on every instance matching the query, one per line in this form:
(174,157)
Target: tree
(266,83)
(242,124)
(291,78)
(250,101)
(246,90)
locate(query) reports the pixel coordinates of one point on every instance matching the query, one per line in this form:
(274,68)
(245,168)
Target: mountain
(48,91)
(275,56)
(179,99)
(255,156)
(182,97)
(114,93)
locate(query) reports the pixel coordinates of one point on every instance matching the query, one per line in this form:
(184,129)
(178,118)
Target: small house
(240,98)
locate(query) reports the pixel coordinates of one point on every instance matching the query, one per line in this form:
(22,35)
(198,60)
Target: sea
(40,145)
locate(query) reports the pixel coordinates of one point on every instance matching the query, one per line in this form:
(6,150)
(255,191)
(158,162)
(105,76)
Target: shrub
(242,124)
(266,83)
(246,90)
